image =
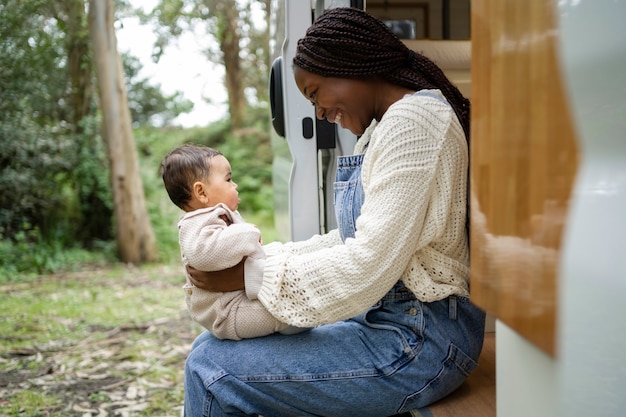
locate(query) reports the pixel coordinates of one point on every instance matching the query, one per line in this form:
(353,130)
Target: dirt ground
(131,370)
(83,376)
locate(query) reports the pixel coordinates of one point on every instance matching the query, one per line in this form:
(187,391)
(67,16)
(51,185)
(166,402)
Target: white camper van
(305,148)
(548,186)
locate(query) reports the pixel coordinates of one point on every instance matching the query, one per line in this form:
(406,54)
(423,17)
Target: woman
(387,292)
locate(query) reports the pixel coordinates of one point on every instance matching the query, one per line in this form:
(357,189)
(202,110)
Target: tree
(55,191)
(257,57)
(135,237)
(95,220)
(39,149)
(72,17)
(227,32)
(241,46)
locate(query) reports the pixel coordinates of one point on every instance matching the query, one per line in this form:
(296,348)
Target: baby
(213,236)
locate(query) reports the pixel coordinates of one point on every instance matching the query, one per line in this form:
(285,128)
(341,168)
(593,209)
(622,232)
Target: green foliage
(152,145)
(29,254)
(29,47)
(90,186)
(241,43)
(54,195)
(30,251)
(251,161)
(53,179)
(56,210)
(32,162)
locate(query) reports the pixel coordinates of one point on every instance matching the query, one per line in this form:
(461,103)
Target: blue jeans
(401,354)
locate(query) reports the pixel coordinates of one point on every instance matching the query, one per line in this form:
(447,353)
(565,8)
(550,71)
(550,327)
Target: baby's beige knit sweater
(411,227)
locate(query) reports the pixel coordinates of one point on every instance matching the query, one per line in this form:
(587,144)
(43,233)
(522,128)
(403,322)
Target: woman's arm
(230,279)
(400,179)
(233,279)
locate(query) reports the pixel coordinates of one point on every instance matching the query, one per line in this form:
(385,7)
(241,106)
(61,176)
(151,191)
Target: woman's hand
(230,279)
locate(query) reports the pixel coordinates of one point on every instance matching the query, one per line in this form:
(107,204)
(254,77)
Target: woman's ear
(200,193)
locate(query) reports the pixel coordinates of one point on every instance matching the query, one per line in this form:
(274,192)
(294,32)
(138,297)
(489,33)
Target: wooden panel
(523,163)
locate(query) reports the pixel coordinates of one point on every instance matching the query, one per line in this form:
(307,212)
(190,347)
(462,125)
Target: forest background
(92,316)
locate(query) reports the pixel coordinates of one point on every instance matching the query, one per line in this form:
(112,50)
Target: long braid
(350,43)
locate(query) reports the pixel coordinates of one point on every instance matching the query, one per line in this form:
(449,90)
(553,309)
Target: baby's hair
(347,42)
(183,166)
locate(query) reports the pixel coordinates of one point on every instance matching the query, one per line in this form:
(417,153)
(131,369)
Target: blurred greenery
(251,159)
(28,254)
(56,208)
(79,327)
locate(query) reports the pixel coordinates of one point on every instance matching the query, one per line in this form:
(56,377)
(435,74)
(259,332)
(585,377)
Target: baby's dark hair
(347,42)
(183,166)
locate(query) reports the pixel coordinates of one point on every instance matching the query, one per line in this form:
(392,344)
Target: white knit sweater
(411,227)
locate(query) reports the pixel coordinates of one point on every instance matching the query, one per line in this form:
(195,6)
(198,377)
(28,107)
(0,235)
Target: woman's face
(348,103)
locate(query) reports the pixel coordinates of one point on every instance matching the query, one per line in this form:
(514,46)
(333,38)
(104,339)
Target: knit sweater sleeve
(253,270)
(399,175)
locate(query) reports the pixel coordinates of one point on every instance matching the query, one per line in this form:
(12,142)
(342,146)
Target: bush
(65,178)
(54,187)
(54,194)
(27,254)
(32,164)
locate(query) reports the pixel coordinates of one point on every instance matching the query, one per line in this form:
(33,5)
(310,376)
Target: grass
(67,306)
(37,402)
(77,344)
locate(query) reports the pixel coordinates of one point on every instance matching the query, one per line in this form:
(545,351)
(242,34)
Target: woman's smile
(338,117)
(335,116)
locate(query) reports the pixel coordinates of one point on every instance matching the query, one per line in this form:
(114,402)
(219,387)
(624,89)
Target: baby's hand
(260,237)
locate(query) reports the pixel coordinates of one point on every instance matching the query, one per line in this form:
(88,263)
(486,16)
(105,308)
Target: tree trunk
(95,222)
(229,36)
(77,45)
(135,237)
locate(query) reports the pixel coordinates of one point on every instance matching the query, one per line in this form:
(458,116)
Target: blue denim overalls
(348,199)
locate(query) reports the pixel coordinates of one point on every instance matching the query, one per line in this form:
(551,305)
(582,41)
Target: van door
(305,149)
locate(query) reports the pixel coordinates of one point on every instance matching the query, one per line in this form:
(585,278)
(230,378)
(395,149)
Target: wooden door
(523,163)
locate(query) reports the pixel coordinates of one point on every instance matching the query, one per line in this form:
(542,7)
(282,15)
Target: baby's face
(220,185)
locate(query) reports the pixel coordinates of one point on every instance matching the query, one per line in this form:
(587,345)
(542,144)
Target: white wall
(525,377)
(593,296)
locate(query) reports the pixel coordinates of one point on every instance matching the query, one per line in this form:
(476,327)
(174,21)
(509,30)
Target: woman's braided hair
(350,43)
